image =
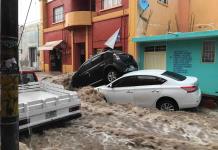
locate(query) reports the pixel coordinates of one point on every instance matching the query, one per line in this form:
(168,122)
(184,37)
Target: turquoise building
(190,53)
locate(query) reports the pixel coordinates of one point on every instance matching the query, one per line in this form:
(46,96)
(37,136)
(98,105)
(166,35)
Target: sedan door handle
(129,92)
(156,91)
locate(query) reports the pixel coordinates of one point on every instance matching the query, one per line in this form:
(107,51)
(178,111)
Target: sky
(34,14)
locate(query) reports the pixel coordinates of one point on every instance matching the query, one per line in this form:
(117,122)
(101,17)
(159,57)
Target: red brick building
(73,30)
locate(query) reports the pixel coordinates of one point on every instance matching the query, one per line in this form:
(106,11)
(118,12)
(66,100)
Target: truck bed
(43,102)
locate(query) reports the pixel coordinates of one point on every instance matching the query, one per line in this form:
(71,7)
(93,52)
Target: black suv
(103,68)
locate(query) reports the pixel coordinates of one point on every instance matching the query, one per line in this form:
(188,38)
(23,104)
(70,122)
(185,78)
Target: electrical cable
(25,22)
(27,113)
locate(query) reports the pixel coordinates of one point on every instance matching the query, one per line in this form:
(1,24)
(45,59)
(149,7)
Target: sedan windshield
(174,76)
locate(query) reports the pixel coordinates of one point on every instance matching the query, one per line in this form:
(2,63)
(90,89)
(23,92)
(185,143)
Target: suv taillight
(190,89)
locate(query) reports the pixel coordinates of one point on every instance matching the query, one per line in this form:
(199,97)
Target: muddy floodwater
(114,127)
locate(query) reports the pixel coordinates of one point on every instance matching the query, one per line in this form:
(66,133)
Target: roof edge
(177,36)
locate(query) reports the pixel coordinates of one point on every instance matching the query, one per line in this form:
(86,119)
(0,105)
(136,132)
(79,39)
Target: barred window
(163,1)
(58,14)
(106,4)
(208,55)
(155,48)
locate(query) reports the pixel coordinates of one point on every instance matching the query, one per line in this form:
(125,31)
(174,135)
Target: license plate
(51,114)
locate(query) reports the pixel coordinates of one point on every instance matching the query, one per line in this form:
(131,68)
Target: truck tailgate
(43,102)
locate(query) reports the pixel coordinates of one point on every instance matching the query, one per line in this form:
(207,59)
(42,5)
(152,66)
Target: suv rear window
(174,76)
(128,59)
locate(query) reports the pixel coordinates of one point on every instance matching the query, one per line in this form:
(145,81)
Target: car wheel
(111,75)
(167,105)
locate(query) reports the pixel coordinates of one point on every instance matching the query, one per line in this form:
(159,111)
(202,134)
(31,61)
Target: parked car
(27,76)
(162,89)
(104,68)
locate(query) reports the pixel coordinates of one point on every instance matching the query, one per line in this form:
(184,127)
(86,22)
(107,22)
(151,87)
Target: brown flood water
(115,127)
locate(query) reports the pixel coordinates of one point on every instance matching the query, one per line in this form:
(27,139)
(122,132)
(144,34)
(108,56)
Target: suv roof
(109,51)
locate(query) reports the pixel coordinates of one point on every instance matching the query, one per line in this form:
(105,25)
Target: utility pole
(9,75)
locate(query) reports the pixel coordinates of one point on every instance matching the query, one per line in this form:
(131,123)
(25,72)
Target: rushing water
(115,127)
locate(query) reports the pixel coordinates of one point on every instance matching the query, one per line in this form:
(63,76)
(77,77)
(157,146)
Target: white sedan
(162,89)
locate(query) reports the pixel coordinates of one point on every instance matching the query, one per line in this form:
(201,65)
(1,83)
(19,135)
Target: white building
(28,48)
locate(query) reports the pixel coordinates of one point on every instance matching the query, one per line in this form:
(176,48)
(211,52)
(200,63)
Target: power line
(25,22)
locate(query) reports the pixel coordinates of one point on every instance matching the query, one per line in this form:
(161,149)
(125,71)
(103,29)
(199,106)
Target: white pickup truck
(43,102)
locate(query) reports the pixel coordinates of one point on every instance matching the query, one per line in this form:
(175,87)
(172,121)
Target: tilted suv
(103,68)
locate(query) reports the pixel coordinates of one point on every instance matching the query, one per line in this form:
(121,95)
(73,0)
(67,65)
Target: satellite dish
(143,4)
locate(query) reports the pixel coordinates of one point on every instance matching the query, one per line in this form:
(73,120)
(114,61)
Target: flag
(112,40)
(143,4)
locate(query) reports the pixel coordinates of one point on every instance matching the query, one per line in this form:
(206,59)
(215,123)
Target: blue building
(190,53)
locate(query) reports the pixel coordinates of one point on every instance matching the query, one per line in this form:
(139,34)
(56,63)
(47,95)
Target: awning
(50,45)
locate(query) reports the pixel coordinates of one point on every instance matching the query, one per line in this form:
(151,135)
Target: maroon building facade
(74,30)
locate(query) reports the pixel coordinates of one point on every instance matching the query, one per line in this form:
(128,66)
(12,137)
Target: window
(58,14)
(208,55)
(97,59)
(163,1)
(125,82)
(106,4)
(149,80)
(155,48)
(127,59)
(174,76)
(138,81)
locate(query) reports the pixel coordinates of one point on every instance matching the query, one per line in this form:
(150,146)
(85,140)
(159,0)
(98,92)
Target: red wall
(99,32)
(125,5)
(105,29)
(59,35)
(80,5)
(69,5)
(79,35)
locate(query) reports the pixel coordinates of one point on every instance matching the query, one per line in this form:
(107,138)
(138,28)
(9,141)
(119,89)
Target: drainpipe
(37,59)
(9,75)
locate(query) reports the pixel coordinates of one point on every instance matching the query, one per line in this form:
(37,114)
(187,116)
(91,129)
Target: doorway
(56,59)
(32,56)
(81,54)
(155,57)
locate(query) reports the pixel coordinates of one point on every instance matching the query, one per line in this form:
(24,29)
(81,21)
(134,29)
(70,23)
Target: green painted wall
(184,57)
(140,57)
(189,53)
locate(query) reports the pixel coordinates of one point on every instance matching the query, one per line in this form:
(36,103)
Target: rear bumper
(193,101)
(39,118)
(65,118)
